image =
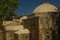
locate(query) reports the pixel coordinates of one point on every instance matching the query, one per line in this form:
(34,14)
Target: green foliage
(18,17)
(7,8)
(1,21)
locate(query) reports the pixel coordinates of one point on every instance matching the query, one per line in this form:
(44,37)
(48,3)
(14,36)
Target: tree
(18,17)
(7,8)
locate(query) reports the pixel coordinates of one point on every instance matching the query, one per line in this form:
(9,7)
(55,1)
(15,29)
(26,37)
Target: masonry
(42,24)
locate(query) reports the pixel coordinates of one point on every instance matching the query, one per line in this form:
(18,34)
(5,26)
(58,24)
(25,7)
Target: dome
(45,7)
(24,17)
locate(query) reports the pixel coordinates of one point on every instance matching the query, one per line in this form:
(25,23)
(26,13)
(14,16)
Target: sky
(26,7)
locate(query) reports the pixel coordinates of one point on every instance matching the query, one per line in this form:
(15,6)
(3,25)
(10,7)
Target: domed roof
(45,7)
(24,17)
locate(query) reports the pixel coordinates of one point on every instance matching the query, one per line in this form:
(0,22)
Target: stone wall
(1,35)
(33,25)
(9,35)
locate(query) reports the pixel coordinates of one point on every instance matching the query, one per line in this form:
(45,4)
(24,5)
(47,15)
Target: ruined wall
(1,35)
(33,25)
(9,35)
(43,24)
(23,37)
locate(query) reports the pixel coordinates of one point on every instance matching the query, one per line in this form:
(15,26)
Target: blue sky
(26,7)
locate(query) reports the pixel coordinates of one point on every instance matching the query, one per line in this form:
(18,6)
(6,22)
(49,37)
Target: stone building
(15,30)
(9,34)
(11,27)
(2,32)
(23,34)
(42,22)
